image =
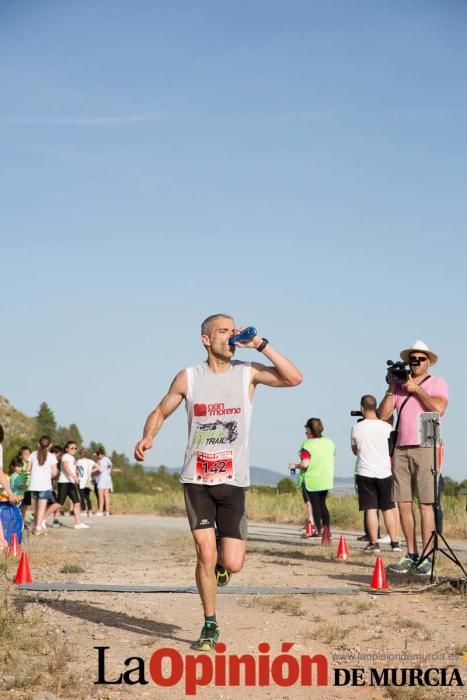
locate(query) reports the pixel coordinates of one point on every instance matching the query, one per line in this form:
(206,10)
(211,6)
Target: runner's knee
(233,563)
(207,554)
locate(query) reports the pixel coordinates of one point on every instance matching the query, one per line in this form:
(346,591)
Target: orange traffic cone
(342,549)
(379,582)
(309,529)
(23,575)
(326,536)
(15,547)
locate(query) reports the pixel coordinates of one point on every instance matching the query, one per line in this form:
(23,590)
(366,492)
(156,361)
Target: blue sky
(299,165)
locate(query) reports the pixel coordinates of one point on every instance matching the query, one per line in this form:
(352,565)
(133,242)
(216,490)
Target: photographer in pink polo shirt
(413,464)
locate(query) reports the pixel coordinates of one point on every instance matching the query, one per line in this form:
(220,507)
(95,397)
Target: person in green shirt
(17,481)
(317,462)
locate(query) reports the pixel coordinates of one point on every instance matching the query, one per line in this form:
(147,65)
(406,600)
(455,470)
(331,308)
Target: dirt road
(351,630)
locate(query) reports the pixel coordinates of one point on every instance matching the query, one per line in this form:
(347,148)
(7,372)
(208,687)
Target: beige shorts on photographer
(413,474)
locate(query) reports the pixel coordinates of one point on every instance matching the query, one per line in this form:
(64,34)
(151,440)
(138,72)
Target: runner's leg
(232,554)
(206,552)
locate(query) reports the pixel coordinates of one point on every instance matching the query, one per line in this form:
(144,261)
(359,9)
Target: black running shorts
(70,490)
(375,493)
(222,506)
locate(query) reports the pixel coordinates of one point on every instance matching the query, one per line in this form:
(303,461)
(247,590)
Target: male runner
(218,396)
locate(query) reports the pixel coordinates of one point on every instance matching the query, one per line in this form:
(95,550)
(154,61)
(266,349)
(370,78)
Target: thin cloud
(120,120)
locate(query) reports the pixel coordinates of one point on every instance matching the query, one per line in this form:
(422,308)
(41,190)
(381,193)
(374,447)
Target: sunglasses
(422,358)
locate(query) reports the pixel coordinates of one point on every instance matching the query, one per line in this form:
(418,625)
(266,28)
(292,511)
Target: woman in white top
(68,483)
(103,482)
(86,468)
(42,465)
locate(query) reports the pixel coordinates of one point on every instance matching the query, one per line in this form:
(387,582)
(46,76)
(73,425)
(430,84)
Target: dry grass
(332,633)
(403,693)
(281,508)
(158,503)
(72,569)
(32,656)
(288,604)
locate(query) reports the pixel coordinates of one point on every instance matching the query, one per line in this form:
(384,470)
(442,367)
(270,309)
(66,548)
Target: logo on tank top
(217,433)
(214,409)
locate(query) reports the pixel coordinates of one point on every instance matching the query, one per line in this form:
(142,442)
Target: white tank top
(219,416)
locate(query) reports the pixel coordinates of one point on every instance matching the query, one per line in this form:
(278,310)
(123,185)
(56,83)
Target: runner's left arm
(283,373)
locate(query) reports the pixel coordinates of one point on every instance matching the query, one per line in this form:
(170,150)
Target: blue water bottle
(244,336)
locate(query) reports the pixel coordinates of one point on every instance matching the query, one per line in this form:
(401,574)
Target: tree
(451,487)
(286,486)
(45,422)
(11,448)
(70,434)
(95,447)
(75,435)
(119,459)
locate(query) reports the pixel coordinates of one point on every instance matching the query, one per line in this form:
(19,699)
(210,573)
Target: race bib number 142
(213,467)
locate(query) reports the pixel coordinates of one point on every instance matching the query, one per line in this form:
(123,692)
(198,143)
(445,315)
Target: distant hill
(265,477)
(14,422)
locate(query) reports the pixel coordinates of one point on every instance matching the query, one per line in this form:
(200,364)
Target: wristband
(262,345)
(389,393)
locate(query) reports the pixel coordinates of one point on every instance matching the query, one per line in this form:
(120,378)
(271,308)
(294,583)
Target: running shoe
(385,539)
(316,535)
(404,566)
(372,548)
(396,547)
(44,525)
(424,569)
(363,538)
(57,523)
(81,526)
(38,531)
(222,575)
(208,638)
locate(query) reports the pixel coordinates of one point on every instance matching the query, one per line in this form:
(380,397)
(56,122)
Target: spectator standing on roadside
(103,482)
(42,464)
(414,464)
(17,483)
(85,467)
(369,442)
(317,461)
(25,454)
(68,483)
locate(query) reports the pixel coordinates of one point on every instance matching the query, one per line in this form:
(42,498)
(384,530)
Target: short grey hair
(207,322)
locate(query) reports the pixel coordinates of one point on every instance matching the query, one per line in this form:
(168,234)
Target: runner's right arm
(163,410)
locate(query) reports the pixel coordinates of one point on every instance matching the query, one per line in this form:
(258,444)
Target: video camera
(399,372)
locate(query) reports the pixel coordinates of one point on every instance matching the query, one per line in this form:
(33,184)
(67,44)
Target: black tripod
(432,547)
